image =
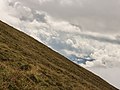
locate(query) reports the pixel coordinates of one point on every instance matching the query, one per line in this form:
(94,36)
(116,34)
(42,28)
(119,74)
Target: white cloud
(66,2)
(71,2)
(44,1)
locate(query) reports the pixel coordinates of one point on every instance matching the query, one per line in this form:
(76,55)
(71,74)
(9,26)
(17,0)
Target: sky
(94,15)
(74,28)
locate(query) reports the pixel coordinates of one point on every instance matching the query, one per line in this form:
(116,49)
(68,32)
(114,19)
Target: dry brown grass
(26,64)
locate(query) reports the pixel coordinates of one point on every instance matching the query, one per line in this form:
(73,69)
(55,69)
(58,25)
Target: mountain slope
(26,64)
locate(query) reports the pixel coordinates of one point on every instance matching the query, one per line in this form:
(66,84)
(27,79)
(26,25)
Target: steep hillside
(26,64)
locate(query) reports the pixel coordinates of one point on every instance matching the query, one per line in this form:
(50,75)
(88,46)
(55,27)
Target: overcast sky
(93,15)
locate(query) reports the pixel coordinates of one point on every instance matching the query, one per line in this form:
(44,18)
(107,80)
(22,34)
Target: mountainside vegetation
(26,64)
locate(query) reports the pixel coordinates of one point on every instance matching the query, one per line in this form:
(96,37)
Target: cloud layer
(62,36)
(92,15)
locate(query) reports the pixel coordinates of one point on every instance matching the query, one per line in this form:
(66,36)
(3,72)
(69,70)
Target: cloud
(63,2)
(42,1)
(101,38)
(66,2)
(63,36)
(97,16)
(60,35)
(66,38)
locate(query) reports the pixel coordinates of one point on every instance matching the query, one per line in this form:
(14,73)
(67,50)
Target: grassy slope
(26,64)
